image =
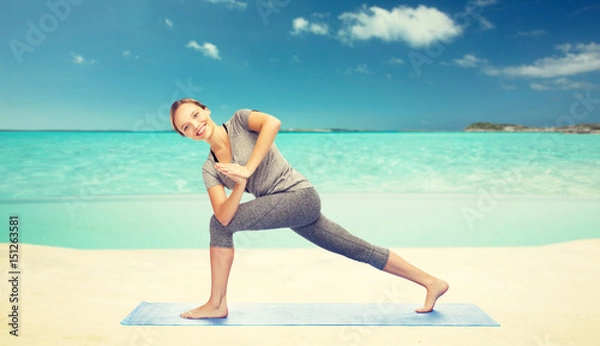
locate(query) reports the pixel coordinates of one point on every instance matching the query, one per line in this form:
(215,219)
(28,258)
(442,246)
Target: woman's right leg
(220,264)
(290,209)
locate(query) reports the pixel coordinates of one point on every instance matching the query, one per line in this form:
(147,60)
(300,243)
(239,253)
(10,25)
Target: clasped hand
(239,174)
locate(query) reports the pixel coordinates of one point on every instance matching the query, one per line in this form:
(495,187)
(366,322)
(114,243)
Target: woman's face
(193,121)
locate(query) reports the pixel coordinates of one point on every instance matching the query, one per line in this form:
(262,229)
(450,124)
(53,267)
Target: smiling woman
(244,158)
(178,104)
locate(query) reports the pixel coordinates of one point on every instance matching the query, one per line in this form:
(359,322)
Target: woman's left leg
(435,287)
(333,237)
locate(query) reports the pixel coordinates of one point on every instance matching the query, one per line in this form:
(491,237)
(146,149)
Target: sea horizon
(510,128)
(284,130)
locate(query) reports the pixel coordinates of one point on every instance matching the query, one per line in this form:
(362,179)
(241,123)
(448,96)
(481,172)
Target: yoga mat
(314,314)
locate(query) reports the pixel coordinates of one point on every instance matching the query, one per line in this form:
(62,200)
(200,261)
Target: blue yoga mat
(314,314)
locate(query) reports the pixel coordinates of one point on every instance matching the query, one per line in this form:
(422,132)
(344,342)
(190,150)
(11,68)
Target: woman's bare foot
(206,311)
(434,291)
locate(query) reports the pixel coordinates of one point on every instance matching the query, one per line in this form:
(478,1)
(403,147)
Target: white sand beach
(544,296)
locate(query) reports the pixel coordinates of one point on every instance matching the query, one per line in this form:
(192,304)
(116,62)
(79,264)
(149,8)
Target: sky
(370,64)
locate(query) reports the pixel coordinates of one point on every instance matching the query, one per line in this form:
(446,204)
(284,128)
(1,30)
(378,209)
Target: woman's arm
(225,207)
(267,127)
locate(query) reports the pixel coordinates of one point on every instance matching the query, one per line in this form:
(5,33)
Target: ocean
(121,190)
(59,164)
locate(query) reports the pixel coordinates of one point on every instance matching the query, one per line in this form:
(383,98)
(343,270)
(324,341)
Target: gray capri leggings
(299,210)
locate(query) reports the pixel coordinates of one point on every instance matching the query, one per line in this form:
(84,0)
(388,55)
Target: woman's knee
(312,205)
(219,235)
(215,223)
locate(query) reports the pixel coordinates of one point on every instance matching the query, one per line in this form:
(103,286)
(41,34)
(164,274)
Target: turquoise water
(145,190)
(52,164)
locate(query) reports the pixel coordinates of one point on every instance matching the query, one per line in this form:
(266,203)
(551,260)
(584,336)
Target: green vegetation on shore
(490,127)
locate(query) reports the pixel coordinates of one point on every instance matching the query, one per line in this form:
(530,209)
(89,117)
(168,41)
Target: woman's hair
(176,106)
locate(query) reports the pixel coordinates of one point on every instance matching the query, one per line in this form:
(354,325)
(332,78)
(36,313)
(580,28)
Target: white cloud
(301,25)
(296,59)
(231,4)
(470,60)
(207,49)
(577,59)
(562,84)
(395,61)
(484,3)
(580,58)
(551,72)
(509,87)
(533,33)
(128,55)
(80,59)
(359,69)
(484,23)
(566,47)
(566,84)
(418,27)
(168,22)
(586,8)
(538,86)
(320,15)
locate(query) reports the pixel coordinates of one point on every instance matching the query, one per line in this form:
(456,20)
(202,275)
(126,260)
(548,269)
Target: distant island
(489,127)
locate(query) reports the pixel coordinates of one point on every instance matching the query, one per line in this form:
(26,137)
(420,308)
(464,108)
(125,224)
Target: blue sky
(381,65)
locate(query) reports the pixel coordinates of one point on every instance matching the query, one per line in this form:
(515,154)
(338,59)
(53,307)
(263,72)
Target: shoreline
(203,195)
(154,222)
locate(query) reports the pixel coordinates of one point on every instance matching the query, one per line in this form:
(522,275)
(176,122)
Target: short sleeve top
(274,174)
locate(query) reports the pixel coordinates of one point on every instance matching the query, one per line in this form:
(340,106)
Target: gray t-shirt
(274,174)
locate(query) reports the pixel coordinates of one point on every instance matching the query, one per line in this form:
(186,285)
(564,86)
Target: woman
(244,158)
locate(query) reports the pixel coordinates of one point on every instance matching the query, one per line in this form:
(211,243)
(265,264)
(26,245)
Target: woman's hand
(239,174)
(233,170)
